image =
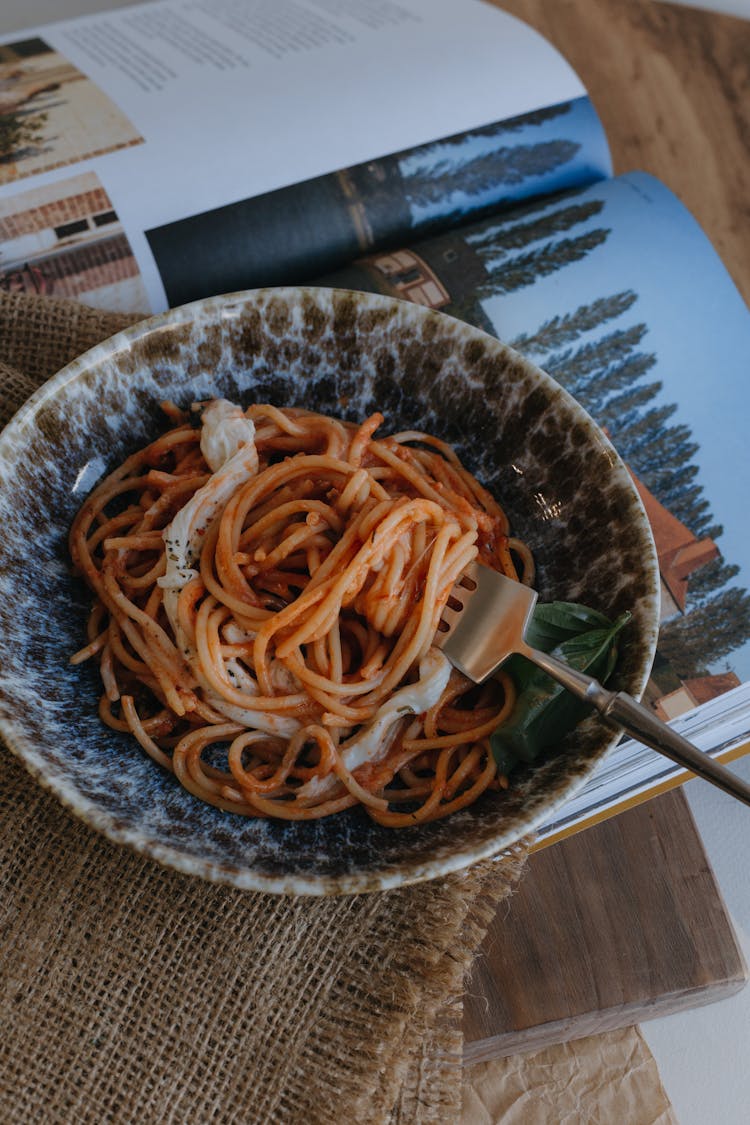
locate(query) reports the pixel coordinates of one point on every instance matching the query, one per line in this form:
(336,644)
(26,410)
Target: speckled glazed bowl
(348,354)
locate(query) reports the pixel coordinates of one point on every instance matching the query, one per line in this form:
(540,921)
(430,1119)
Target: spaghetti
(268,585)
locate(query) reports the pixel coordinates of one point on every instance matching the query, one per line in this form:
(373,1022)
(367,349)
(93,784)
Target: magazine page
(119,124)
(617,293)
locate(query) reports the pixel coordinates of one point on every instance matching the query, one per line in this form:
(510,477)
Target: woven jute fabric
(129,993)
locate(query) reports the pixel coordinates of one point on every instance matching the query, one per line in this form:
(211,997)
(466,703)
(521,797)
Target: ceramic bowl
(348,354)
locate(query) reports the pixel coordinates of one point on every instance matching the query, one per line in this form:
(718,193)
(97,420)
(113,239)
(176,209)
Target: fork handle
(621,710)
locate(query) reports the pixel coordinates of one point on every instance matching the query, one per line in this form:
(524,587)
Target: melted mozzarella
(372,742)
(269,721)
(225,429)
(413,699)
(229,435)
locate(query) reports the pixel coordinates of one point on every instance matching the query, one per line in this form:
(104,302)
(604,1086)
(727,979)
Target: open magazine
(434,150)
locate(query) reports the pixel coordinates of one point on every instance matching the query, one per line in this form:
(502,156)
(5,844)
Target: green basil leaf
(544,710)
(553,622)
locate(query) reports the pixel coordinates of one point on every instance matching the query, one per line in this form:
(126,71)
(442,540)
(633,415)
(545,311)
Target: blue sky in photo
(698,326)
(580,124)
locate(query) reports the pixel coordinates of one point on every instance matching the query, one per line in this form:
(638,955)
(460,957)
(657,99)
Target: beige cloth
(129,993)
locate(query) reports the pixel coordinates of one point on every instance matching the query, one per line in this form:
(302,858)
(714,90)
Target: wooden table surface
(672,87)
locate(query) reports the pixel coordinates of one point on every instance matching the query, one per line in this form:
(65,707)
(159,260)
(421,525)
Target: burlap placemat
(133,994)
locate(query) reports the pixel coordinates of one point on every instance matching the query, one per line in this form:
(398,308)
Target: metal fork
(485,623)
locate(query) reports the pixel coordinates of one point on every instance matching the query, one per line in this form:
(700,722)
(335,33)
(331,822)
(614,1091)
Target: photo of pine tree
(613,379)
(296,232)
(544,152)
(571,282)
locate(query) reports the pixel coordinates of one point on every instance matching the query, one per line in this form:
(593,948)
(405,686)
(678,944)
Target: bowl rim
(245,878)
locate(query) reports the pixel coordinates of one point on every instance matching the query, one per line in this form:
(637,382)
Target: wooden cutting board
(616,925)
